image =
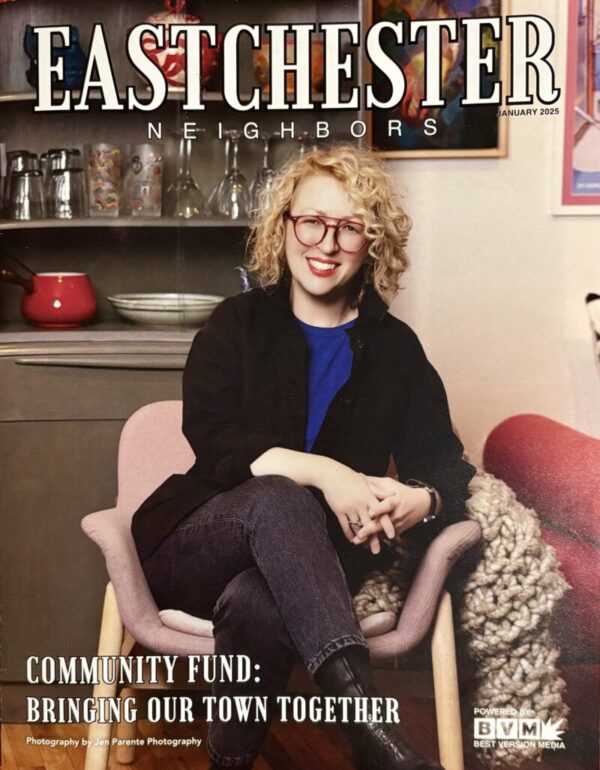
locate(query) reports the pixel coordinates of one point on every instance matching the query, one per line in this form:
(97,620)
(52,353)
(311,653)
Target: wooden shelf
(39,224)
(172,96)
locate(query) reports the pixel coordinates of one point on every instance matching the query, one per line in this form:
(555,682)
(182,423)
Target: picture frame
(461,132)
(578,135)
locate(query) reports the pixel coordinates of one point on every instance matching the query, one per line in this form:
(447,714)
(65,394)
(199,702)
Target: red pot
(56,300)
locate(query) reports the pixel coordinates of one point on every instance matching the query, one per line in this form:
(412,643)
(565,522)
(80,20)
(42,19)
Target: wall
(497,284)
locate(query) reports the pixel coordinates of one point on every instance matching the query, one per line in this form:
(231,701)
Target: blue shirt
(329,366)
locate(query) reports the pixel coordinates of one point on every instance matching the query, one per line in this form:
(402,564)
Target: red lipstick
(321,270)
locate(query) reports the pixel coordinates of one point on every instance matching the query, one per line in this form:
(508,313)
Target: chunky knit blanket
(504,613)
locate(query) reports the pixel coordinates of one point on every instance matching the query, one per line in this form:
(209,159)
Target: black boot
(375,745)
(222,767)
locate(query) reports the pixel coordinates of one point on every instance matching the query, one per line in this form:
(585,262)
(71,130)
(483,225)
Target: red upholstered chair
(152,447)
(556,471)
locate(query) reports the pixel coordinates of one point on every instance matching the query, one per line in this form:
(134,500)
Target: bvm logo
(515,730)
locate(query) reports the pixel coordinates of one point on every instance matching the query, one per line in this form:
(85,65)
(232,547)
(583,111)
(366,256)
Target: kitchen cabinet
(59,433)
(66,394)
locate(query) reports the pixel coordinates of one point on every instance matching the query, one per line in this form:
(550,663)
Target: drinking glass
(20,160)
(56,160)
(62,157)
(185,199)
(234,196)
(68,198)
(104,180)
(26,197)
(16,161)
(142,185)
(264,179)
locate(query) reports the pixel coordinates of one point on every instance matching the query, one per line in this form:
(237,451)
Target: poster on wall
(241,524)
(580,190)
(452,129)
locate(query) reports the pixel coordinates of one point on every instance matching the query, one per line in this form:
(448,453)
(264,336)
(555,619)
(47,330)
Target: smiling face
(323,273)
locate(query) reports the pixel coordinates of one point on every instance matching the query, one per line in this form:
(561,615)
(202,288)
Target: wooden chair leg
(128,643)
(126,731)
(445,684)
(111,641)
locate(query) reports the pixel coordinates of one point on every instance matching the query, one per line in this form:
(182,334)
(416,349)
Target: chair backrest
(152,448)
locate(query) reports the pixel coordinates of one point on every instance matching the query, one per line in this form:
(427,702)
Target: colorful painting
(581,160)
(449,131)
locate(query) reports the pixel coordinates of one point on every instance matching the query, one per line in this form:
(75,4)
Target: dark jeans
(258,560)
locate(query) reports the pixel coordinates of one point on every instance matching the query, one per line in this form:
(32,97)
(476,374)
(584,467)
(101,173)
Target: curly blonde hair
(369,188)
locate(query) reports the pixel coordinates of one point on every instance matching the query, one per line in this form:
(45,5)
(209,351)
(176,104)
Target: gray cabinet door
(55,471)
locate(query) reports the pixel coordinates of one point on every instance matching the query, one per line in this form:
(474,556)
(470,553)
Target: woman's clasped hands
(398,504)
(367,506)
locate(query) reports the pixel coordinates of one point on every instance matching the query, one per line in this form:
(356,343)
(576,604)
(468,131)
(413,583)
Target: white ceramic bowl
(188,317)
(165,309)
(164,300)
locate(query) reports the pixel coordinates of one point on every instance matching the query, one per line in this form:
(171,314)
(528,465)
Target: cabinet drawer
(84,392)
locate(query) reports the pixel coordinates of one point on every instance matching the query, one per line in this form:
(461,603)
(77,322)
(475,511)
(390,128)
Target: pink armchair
(152,447)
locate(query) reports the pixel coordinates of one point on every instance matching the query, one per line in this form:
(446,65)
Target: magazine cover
(299,342)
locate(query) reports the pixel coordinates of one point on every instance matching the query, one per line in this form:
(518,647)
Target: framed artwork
(580,184)
(409,131)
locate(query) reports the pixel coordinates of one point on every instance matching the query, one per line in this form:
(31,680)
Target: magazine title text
(531,76)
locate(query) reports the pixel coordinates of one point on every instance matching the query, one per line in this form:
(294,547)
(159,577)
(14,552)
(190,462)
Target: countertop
(111,345)
(21,332)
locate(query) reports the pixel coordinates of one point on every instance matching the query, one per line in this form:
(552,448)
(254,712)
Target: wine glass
(307,142)
(234,197)
(185,200)
(265,177)
(212,206)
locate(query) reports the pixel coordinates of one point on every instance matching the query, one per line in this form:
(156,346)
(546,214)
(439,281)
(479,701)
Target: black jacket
(244,391)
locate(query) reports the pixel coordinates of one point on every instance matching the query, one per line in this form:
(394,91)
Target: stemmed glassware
(233,196)
(185,199)
(307,142)
(264,179)
(212,205)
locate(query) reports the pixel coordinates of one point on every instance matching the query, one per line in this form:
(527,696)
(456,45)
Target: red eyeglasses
(311,229)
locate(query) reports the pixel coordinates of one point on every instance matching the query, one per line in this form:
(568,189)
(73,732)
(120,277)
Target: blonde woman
(296,395)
